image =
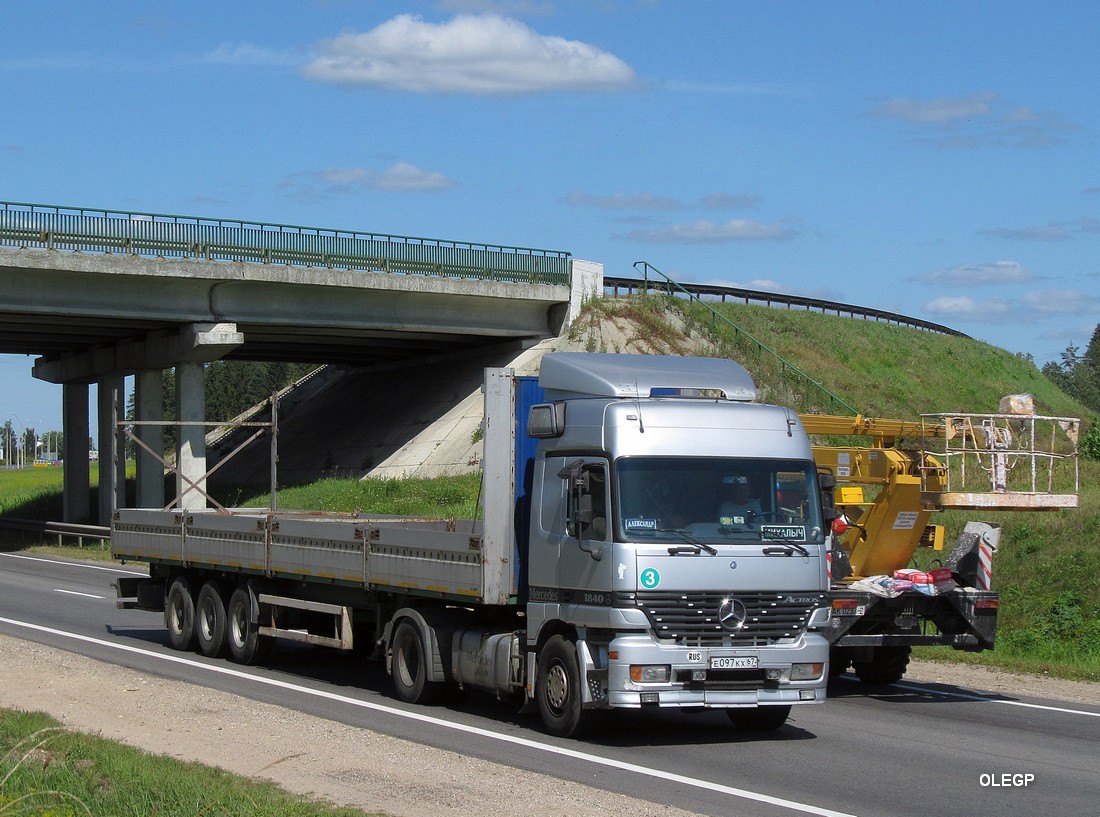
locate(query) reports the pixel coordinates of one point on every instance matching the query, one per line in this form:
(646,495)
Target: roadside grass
(437,498)
(48,771)
(34,493)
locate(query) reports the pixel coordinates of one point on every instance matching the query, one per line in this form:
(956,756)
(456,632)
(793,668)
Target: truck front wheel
(558,689)
(410,666)
(179,614)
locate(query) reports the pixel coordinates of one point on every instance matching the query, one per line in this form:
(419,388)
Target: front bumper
(694,684)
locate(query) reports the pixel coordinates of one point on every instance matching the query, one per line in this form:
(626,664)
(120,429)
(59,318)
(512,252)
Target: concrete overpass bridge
(98,295)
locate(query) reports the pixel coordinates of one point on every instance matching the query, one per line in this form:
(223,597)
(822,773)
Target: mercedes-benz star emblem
(732,614)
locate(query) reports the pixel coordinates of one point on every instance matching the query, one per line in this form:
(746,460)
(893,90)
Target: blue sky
(937,159)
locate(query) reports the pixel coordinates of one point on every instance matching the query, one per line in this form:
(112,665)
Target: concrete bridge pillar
(191,450)
(112,447)
(149,407)
(75,501)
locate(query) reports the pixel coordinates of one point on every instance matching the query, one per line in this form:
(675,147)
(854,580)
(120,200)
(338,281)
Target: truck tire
(246,645)
(179,614)
(211,621)
(887,665)
(410,666)
(558,690)
(759,719)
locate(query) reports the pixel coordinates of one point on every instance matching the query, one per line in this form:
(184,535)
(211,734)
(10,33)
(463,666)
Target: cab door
(585,561)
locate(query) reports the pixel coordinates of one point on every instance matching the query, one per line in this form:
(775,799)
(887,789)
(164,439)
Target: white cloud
(769,285)
(248,54)
(404,176)
(975,121)
(335,181)
(1049,302)
(943,110)
(652,201)
(704,231)
(993,272)
(965,308)
(1064,231)
(723,201)
(1028,233)
(622,201)
(469,54)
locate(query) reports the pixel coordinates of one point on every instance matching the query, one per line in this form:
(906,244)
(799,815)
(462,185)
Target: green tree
(1078,374)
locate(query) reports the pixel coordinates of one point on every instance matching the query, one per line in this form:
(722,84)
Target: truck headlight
(650,673)
(806,672)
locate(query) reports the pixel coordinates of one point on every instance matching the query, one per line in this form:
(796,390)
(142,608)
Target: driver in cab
(739,506)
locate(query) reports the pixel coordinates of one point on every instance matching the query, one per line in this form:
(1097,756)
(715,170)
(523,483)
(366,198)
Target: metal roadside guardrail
(773,299)
(159,235)
(61,532)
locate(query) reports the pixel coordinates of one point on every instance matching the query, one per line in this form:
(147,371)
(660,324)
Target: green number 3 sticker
(650,578)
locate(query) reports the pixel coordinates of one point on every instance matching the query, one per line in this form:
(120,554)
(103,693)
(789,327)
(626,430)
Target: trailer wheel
(410,666)
(887,665)
(760,719)
(211,622)
(558,690)
(246,645)
(179,614)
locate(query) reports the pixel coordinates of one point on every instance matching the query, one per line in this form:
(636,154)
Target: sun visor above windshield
(567,375)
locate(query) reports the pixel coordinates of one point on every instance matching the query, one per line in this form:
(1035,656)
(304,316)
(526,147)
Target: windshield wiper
(788,547)
(694,545)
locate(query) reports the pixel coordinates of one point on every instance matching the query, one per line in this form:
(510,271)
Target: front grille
(726,679)
(691,618)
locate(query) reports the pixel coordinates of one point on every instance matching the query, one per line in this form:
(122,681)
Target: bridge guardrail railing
(790,301)
(170,236)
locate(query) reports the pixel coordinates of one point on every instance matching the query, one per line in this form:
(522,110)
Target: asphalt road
(907,750)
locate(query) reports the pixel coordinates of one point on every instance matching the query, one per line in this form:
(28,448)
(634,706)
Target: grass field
(47,771)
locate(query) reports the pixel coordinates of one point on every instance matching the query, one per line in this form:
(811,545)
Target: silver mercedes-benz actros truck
(650,536)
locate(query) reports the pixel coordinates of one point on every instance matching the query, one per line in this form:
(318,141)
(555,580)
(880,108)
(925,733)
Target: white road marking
(659,774)
(75,564)
(74,593)
(988,700)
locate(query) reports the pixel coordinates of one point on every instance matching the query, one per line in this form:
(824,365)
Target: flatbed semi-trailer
(605,572)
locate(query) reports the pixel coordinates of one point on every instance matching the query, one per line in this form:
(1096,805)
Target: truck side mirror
(581,514)
(827,484)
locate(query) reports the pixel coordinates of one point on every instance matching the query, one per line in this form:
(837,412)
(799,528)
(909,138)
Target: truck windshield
(717,500)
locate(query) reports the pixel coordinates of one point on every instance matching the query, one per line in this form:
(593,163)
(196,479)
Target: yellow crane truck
(891,477)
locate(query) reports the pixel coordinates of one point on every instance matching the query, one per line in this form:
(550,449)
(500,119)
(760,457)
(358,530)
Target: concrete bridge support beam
(149,407)
(191,448)
(112,447)
(75,501)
